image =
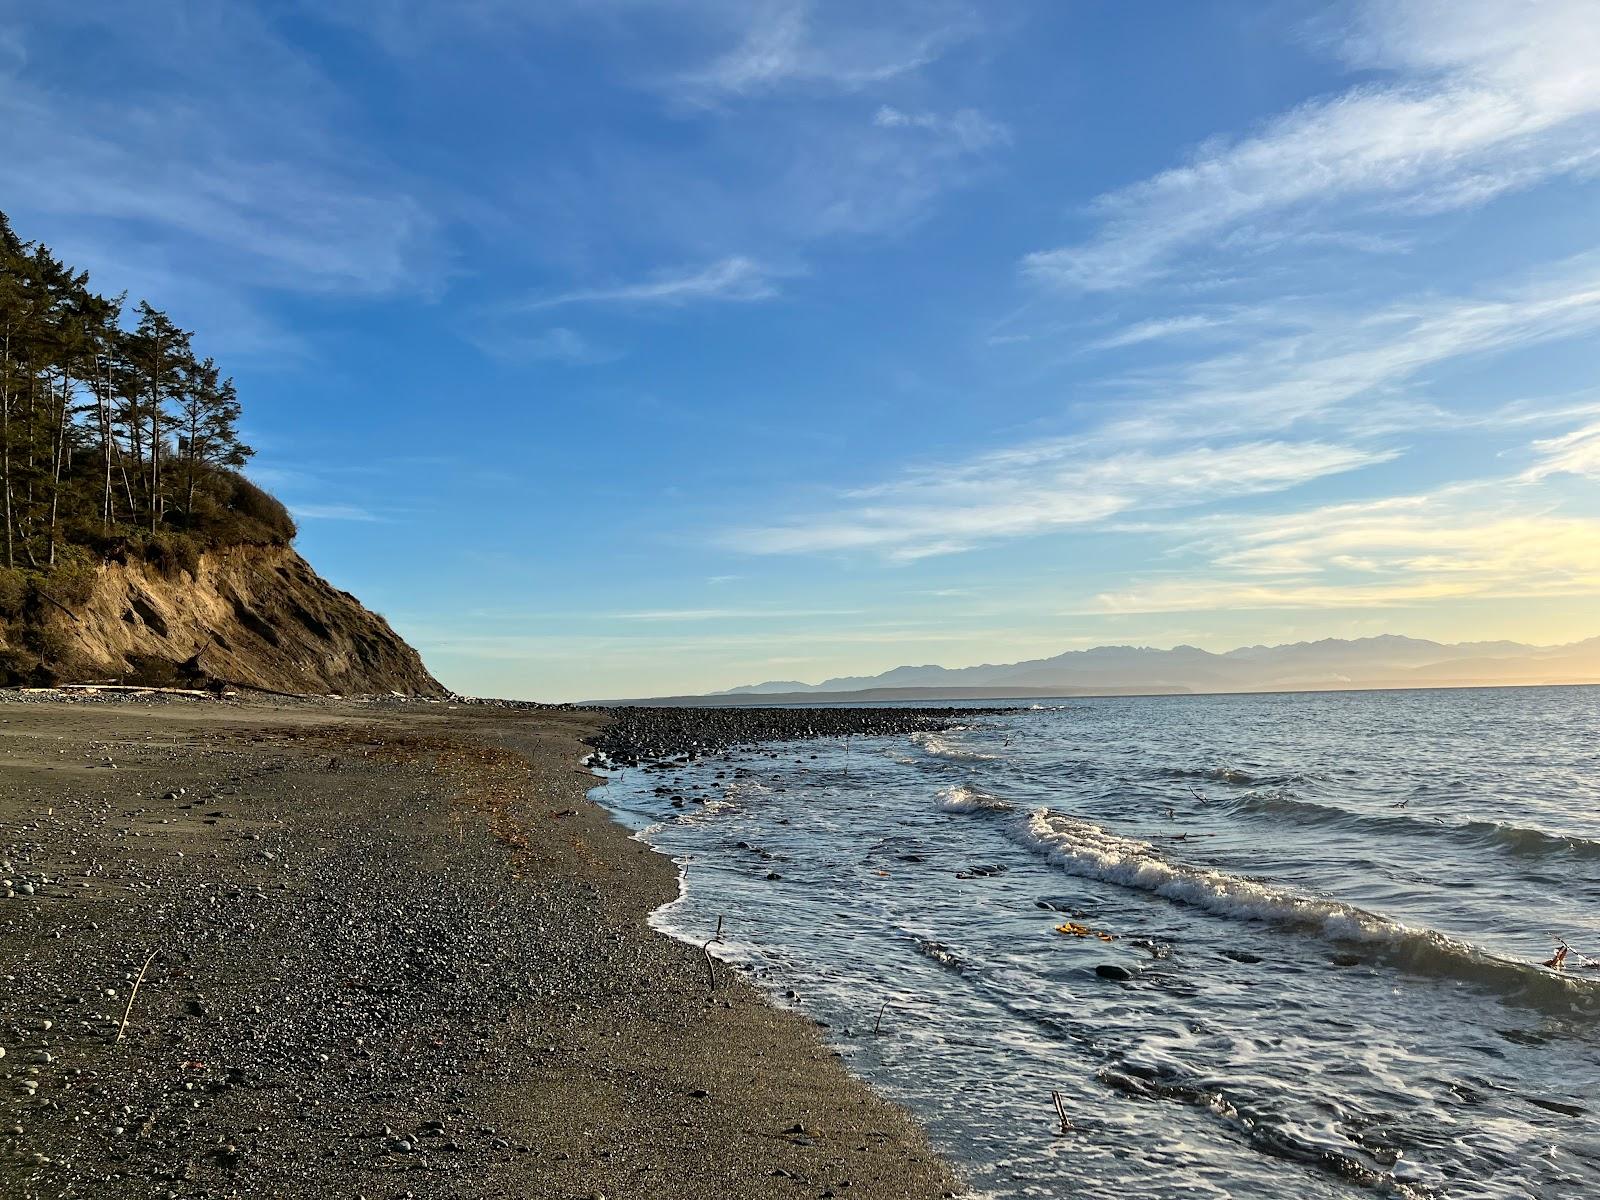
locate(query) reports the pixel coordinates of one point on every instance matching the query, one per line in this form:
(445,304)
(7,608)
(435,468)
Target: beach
(296,948)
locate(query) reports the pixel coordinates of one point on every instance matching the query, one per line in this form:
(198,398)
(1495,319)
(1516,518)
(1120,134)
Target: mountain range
(1386,661)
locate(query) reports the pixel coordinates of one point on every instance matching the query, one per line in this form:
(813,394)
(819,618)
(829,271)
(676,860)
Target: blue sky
(620,347)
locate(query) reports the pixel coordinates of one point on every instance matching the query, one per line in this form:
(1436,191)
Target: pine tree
(111,438)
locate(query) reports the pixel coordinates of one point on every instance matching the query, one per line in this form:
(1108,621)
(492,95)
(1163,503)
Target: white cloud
(966,128)
(734,280)
(1486,98)
(1158,329)
(1028,490)
(800,42)
(1359,363)
(557,344)
(247,183)
(333,512)
(1575,453)
(1483,540)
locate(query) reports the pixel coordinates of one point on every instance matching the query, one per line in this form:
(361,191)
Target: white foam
(962,799)
(932,743)
(1085,849)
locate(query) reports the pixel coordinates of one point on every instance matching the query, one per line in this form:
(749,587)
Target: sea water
(1262,946)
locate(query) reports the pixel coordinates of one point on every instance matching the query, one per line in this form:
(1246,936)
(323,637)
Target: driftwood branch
(134,995)
(1060,1102)
(711,974)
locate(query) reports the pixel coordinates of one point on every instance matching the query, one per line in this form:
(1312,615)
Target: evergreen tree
(113,440)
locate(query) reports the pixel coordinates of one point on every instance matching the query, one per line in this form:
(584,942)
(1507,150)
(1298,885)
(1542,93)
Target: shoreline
(396,952)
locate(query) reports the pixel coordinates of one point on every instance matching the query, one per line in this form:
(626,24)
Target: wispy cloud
(783,43)
(1034,489)
(736,280)
(1484,99)
(1575,453)
(1157,329)
(334,512)
(556,344)
(1196,436)
(1330,359)
(257,184)
(966,128)
(1484,539)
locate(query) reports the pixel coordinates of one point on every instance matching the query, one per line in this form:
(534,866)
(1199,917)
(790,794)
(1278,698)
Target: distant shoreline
(936,695)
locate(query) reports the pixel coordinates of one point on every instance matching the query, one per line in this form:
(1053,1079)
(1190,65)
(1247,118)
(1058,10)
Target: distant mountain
(1387,661)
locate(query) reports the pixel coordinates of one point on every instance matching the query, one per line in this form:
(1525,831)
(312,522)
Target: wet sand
(396,953)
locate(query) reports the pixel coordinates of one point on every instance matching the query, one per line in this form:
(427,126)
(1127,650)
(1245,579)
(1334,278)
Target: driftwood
(126,687)
(1060,1102)
(134,995)
(711,974)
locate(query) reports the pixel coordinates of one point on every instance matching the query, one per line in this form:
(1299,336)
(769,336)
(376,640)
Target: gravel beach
(381,951)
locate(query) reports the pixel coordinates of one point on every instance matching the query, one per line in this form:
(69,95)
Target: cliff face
(257,616)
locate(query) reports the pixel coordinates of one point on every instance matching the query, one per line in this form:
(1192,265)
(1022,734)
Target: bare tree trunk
(5,447)
(102,413)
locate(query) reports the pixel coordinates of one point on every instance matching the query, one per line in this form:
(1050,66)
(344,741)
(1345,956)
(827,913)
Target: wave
(1517,840)
(1084,849)
(936,746)
(963,799)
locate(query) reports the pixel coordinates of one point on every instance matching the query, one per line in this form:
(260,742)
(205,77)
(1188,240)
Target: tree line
(116,436)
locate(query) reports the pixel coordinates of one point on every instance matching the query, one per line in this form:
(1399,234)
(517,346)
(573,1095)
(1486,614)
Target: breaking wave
(936,746)
(962,799)
(1084,849)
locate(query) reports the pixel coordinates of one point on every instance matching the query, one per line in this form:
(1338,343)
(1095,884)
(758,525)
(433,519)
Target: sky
(637,347)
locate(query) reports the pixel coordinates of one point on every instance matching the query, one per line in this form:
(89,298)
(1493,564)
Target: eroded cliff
(256,616)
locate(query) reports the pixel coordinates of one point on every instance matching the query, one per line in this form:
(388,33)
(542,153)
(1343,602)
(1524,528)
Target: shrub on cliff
(71,581)
(232,511)
(13,592)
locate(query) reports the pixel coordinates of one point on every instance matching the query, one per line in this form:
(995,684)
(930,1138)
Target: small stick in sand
(878,1024)
(1061,1111)
(711,975)
(134,995)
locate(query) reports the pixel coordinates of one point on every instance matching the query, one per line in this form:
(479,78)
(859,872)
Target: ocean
(1254,946)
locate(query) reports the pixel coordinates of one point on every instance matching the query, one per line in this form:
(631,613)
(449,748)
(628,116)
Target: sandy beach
(380,951)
